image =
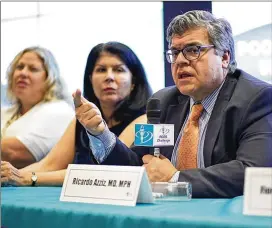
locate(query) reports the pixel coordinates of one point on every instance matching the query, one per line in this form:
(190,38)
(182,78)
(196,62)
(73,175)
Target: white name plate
(258,191)
(100,184)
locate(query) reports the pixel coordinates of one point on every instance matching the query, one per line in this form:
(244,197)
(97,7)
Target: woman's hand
(13,176)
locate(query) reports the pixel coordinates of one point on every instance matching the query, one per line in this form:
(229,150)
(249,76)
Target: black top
(83,154)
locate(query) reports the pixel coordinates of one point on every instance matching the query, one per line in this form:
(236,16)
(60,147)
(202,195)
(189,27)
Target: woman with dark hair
(115,81)
(141,91)
(120,90)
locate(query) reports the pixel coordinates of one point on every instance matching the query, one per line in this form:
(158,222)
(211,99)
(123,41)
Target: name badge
(258,191)
(100,184)
(152,135)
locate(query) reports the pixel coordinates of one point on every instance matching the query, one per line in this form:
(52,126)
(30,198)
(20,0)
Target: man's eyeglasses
(189,52)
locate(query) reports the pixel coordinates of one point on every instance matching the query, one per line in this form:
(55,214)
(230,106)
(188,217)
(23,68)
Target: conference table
(27,207)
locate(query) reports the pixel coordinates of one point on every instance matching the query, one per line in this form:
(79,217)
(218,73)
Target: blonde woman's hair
(55,86)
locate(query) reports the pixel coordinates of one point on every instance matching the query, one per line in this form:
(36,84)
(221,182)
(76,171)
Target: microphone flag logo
(164,130)
(144,134)
(153,135)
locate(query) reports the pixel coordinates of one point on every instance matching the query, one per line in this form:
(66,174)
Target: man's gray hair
(219,30)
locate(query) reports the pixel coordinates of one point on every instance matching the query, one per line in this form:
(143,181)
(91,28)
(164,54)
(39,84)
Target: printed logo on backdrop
(144,135)
(253,52)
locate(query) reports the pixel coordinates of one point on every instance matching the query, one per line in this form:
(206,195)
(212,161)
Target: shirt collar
(208,102)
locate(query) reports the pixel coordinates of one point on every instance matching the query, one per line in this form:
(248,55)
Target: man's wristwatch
(34,179)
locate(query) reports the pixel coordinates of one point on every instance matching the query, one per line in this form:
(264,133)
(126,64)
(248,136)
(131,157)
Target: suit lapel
(177,113)
(214,123)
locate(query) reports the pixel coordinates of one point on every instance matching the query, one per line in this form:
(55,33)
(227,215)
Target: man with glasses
(222,115)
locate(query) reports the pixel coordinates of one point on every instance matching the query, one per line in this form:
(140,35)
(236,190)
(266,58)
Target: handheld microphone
(154,134)
(153,112)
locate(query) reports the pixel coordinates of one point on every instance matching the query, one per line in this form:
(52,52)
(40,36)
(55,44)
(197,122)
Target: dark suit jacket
(239,135)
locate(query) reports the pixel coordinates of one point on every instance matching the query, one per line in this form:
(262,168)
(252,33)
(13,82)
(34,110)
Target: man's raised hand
(88,114)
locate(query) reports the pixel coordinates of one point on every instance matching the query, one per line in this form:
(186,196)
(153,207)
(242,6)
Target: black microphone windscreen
(153,111)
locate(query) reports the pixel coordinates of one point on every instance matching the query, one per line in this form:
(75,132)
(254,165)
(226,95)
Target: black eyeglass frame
(199,48)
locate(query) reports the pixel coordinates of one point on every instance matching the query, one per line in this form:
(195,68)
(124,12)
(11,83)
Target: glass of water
(166,191)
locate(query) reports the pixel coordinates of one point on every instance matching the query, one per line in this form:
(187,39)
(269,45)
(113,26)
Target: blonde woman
(40,110)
